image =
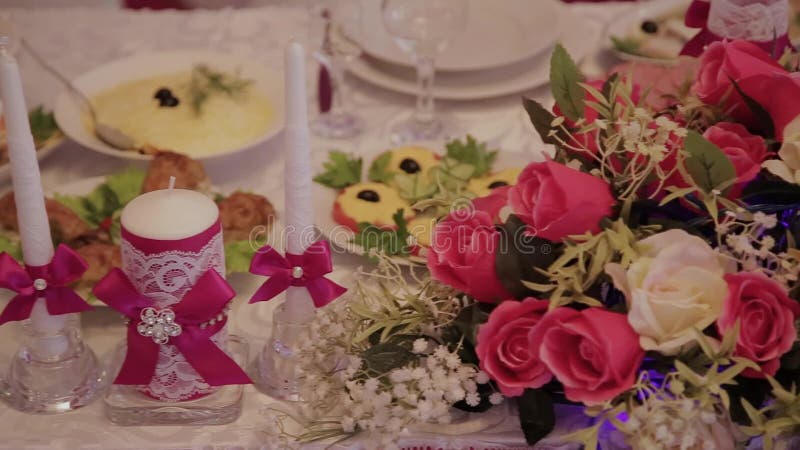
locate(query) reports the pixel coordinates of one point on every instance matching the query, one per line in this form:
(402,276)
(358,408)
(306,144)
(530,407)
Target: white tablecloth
(76,40)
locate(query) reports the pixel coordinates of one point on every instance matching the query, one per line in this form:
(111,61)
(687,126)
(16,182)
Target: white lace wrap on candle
(759,20)
(165,277)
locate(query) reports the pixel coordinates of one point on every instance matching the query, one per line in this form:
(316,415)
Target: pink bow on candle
(307,270)
(697,17)
(51,282)
(188,325)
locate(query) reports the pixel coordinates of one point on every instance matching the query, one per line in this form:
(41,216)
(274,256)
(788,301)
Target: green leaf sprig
(206,82)
(341,170)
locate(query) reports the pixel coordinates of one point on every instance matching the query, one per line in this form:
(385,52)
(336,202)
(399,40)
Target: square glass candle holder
(128,405)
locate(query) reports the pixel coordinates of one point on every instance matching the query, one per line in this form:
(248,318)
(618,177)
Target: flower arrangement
(646,270)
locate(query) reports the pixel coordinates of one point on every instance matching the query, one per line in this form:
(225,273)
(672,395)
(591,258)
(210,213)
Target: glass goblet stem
(424,111)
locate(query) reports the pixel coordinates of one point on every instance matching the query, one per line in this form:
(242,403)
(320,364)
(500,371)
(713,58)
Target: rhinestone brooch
(158,324)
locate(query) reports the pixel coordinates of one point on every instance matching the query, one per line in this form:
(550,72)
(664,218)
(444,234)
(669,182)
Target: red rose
(594,353)
(766,316)
(746,151)
(505,349)
(737,60)
(462,255)
(557,201)
(588,140)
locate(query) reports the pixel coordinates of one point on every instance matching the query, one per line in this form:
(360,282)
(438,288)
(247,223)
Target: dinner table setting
(400,224)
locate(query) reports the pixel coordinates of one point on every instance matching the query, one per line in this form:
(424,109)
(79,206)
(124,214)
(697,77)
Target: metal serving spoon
(106,133)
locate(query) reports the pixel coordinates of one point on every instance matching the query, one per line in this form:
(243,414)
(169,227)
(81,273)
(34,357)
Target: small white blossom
(473,399)
(496,398)
(481,377)
(420,346)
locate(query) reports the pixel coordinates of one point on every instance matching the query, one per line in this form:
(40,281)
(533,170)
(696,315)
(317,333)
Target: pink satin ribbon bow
(194,314)
(307,270)
(697,17)
(51,282)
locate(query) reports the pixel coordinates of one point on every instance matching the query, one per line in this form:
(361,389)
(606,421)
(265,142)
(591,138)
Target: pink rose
(557,201)
(746,151)
(766,315)
(782,108)
(462,255)
(493,203)
(594,353)
(737,60)
(505,349)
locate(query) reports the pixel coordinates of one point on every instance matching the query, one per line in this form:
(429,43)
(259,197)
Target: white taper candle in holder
(290,321)
(34,227)
(53,371)
(298,307)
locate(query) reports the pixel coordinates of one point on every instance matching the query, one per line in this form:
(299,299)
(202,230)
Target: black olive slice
(368,195)
(497,184)
(163,93)
(649,27)
(408,165)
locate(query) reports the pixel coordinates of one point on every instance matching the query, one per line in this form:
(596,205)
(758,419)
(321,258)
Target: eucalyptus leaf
(706,163)
(519,255)
(565,79)
(537,416)
(541,119)
(763,121)
(382,358)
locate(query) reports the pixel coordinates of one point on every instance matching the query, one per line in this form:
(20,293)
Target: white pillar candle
(298,306)
(169,214)
(34,227)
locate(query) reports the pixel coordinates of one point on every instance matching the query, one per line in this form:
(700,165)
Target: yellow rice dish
(173,112)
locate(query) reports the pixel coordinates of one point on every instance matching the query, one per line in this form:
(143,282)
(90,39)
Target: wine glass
(336,52)
(423,28)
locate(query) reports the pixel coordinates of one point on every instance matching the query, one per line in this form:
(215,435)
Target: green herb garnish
(379,170)
(389,242)
(472,153)
(206,82)
(43,124)
(341,170)
(626,45)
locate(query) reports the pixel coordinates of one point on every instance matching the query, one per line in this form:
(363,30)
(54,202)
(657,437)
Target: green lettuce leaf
(11,247)
(237,256)
(106,199)
(43,124)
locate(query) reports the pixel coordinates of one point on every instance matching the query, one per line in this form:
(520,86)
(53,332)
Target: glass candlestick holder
(53,371)
(130,405)
(276,363)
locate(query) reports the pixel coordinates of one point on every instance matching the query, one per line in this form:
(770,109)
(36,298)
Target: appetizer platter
(654,32)
(393,207)
(85,214)
(197,103)
(46,136)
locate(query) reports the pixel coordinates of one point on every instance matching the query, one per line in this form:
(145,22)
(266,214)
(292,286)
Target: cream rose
(788,166)
(675,285)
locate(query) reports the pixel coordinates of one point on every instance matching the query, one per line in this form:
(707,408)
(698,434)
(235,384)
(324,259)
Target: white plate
(513,79)
(623,24)
(497,33)
(69,112)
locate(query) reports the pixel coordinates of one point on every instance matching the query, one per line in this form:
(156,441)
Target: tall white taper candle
(298,306)
(34,227)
